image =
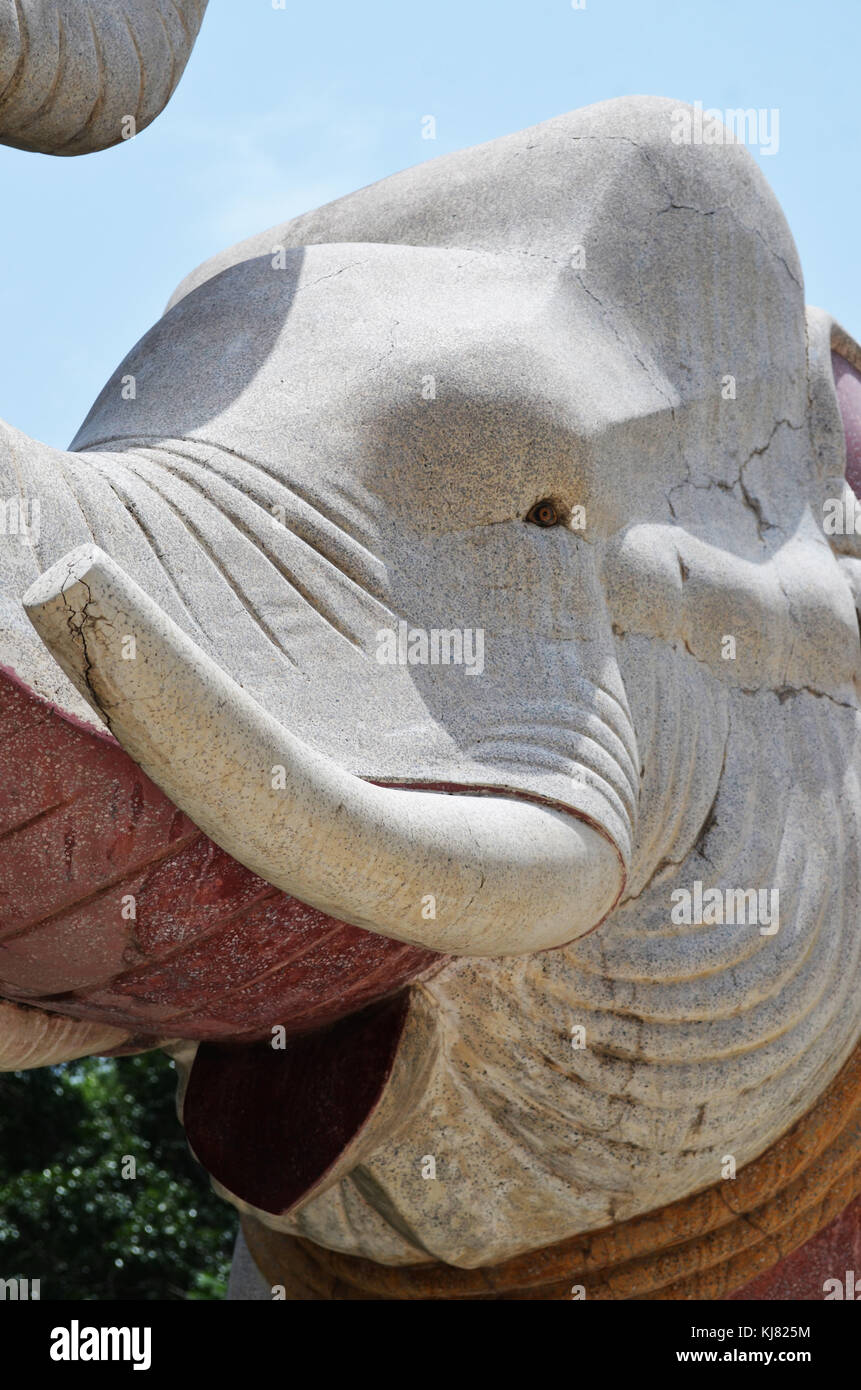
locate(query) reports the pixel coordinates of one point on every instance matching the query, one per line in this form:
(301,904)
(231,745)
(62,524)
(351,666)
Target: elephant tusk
(505,876)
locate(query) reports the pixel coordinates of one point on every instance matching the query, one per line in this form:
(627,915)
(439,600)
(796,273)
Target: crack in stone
(78,631)
(762,522)
(752,503)
(629,346)
(783,692)
(331,275)
(673,206)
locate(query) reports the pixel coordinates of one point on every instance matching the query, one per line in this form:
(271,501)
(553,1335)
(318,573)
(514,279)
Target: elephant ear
(846,364)
(834,375)
(80,75)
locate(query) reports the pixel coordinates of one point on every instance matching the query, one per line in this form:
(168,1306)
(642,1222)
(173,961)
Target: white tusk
(508,876)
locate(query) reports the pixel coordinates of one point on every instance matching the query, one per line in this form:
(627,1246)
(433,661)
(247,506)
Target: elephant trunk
(473,875)
(79,77)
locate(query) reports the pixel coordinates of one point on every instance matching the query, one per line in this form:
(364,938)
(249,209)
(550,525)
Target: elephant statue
(430,710)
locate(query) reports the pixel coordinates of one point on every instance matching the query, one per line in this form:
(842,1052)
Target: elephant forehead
(463,378)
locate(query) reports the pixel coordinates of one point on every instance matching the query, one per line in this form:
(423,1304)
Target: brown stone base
(707,1246)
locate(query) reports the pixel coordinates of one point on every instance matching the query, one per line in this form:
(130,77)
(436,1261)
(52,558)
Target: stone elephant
(430,710)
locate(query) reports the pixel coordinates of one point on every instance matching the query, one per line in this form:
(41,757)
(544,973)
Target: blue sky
(283,109)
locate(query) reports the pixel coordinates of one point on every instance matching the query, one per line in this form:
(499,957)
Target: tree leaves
(70,1218)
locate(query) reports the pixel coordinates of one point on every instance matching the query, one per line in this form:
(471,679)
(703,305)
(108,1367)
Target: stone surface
(33,1038)
(812,1273)
(349,423)
(78,78)
(834,1254)
(774,1220)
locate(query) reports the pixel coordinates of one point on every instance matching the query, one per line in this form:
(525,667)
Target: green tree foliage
(67,1215)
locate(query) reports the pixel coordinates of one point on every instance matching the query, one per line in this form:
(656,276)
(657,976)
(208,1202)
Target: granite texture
(79,77)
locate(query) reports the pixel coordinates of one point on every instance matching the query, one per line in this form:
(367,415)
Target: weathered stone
(562,391)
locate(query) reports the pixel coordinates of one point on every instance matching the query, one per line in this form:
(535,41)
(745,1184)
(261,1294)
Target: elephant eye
(544,513)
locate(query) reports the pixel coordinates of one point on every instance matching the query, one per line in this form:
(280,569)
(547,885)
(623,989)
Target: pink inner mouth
(847,381)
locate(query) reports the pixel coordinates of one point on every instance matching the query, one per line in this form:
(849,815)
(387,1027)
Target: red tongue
(268,1123)
(211,950)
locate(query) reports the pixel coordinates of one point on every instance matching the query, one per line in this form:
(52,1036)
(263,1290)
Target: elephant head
(453,557)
